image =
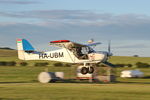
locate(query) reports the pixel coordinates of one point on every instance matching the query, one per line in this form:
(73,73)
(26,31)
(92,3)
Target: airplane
(70,52)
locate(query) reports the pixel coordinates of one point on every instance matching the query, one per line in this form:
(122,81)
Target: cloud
(80,17)
(17,2)
(129,32)
(122,44)
(84,15)
(131,46)
(78,25)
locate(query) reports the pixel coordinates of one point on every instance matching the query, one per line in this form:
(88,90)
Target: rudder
(23,46)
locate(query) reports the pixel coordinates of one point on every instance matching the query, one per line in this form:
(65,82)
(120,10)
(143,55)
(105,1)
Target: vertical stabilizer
(23,46)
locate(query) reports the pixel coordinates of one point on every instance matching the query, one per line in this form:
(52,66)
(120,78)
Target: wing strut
(69,55)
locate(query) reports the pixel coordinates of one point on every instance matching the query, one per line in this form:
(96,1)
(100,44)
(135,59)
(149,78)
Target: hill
(129,60)
(8,52)
(7,48)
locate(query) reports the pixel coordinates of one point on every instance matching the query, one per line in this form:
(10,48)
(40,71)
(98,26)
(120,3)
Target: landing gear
(91,70)
(85,70)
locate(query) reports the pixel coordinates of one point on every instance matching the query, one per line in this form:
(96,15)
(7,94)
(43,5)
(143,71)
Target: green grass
(8,53)
(20,83)
(30,73)
(129,60)
(74,91)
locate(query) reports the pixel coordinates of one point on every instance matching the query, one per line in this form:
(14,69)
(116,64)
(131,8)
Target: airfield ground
(74,91)
(20,83)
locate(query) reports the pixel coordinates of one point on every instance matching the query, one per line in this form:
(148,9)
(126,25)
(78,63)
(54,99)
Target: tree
(135,55)
(142,65)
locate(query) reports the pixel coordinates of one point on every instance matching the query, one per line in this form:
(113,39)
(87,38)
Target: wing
(93,44)
(66,44)
(60,43)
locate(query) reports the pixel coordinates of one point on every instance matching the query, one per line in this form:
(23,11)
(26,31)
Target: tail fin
(23,46)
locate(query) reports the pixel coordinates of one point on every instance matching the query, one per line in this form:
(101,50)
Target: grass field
(20,83)
(74,91)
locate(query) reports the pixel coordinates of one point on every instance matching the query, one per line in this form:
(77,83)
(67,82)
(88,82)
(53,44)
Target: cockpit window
(86,50)
(82,52)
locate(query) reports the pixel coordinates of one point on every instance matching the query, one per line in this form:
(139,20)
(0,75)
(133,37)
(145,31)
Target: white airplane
(70,52)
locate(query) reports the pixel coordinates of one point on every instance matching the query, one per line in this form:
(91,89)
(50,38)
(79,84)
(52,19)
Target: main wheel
(90,70)
(84,70)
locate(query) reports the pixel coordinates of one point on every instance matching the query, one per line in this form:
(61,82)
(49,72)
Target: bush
(10,63)
(67,65)
(142,65)
(2,63)
(123,65)
(58,64)
(119,65)
(41,64)
(23,64)
(135,55)
(129,65)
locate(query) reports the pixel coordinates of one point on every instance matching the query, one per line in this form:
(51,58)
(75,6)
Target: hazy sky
(125,22)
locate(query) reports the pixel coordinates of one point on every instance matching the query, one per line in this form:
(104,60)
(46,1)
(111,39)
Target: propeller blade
(109,50)
(109,46)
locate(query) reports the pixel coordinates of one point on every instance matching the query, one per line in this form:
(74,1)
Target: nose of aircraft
(98,56)
(107,54)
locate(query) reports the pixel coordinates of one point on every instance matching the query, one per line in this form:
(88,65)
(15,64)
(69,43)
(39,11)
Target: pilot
(78,50)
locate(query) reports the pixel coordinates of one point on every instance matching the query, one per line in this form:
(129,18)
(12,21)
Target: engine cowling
(97,57)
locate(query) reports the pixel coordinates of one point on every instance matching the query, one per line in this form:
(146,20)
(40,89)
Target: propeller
(109,56)
(109,46)
(109,49)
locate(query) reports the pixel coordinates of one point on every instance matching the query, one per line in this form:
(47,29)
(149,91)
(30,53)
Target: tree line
(57,64)
(13,63)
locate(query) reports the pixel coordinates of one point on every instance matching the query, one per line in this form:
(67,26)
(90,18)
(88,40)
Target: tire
(90,70)
(84,70)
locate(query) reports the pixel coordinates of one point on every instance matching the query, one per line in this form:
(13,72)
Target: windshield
(86,50)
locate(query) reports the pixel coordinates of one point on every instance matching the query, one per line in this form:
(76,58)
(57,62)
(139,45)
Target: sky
(125,22)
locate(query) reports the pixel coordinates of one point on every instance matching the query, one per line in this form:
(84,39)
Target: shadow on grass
(77,81)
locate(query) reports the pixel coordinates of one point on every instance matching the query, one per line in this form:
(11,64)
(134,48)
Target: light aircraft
(70,52)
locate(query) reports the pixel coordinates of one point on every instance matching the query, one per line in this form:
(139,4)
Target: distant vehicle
(70,52)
